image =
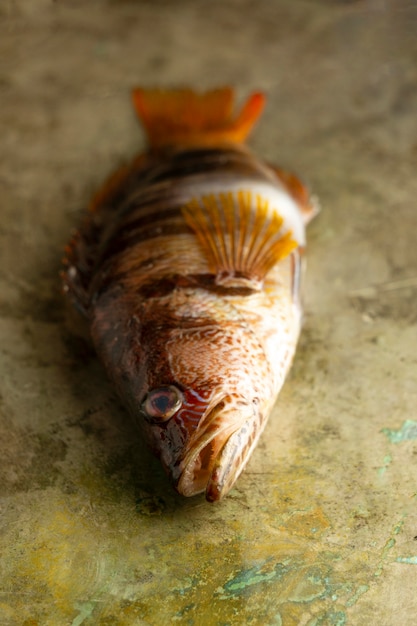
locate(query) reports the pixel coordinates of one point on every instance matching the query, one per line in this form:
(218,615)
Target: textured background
(322,527)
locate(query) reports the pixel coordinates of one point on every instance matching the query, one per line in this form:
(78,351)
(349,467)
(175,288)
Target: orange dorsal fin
(184,117)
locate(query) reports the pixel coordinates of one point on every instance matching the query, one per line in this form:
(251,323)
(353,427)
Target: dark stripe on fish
(182,164)
(161,287)
(168,225)
(164,286)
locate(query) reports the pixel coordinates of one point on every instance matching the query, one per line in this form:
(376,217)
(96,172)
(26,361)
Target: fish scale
(186,269)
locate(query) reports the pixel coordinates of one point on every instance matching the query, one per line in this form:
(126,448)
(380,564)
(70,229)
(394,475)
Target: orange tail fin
(183,117)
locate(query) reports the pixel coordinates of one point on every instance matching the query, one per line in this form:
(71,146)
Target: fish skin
(162,319)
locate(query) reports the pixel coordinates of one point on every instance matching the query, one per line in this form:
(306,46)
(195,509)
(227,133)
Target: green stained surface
(386,463)
(407,432)
(411,560)
(320,529)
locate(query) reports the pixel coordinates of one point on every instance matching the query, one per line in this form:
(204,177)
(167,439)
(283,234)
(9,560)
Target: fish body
(187,268)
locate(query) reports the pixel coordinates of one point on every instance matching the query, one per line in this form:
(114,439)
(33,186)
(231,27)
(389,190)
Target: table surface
(321,529)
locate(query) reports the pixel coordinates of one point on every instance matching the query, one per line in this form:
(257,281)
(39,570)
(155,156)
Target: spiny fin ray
(241,235)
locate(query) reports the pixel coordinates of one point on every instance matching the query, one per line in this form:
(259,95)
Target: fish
(187,268)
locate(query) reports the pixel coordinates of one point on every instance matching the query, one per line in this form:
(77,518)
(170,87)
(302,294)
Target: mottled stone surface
(321,529)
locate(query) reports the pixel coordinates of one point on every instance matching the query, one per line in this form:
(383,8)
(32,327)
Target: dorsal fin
(184,117)
(241,234)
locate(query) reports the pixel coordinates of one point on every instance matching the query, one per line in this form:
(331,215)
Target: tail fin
(187,118)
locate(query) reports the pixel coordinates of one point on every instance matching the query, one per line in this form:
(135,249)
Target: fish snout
(220,452)
(232,459)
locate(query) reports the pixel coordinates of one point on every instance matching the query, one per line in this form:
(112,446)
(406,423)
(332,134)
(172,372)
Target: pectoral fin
(242,236)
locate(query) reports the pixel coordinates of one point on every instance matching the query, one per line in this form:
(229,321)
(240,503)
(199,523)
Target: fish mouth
(232,459)
(216,461)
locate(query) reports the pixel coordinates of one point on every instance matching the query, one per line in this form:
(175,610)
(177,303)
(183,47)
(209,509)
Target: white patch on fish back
(276,194)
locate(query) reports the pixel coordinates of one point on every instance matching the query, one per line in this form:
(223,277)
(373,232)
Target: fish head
(202,438)
(204,416)
(198,385)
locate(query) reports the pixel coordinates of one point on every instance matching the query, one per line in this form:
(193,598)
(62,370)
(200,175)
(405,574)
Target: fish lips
(216,459)
(232,459)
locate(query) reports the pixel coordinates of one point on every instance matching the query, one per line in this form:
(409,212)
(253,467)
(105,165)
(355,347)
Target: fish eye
(160,404)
